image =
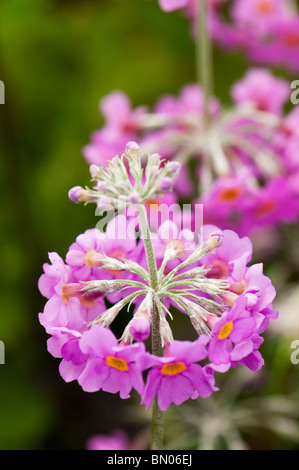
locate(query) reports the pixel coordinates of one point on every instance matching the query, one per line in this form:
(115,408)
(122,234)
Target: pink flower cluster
(248,152)
(267,31)
(91,354)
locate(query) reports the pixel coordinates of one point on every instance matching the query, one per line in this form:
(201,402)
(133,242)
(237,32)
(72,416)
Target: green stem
(148,246)
(204,60)
(157,349)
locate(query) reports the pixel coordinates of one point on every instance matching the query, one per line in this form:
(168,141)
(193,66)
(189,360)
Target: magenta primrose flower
(230,332)
(111,368)
(176,377)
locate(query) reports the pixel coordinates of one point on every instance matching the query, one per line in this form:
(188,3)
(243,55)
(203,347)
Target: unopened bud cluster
(125,181)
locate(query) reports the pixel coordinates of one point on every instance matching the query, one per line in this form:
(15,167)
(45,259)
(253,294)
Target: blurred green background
(58,58)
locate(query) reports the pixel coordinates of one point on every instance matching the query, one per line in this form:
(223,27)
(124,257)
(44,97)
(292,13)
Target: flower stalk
(157,349)
(204,61)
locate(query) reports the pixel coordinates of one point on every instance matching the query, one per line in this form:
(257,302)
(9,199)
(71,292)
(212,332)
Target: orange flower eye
(117,363)
(225,330)
(173,369)
(230,194)
(265,6)
(265,208)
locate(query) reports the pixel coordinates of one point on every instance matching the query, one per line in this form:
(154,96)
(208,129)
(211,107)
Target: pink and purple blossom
(110,367)
(177,377)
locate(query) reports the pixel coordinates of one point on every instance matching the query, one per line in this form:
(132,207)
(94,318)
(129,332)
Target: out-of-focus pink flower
(122,124)
(262,90)
(117,440)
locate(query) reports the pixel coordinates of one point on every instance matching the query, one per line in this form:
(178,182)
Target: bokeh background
(58,58)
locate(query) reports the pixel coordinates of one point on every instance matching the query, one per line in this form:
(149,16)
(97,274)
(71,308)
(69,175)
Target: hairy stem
(148,246)
(157,349)
(204,61)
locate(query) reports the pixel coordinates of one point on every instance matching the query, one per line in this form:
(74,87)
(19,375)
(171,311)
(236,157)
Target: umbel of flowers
(150,279)
(265,31)
(244,161)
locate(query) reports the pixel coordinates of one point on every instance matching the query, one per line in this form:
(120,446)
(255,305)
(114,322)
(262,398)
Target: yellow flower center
(117,363)
(173,369)
(225,330)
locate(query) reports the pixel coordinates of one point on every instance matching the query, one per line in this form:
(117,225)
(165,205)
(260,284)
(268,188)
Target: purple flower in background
(121,126)
(117,440)
(262,90)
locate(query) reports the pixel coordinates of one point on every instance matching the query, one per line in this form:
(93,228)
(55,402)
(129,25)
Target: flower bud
(166,184)
(132,149)
(78,194)
(214,241)
(165,332)
(140,328)
(173,167)
(94,170)
(134,197)
(212,320)
(155,157)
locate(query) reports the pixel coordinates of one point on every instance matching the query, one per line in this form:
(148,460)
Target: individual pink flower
(256,287)
(119,241)
(276,203)
(259,14)
(111,368)
(223,204)
(189,103)
(230,332)
(82,255)
(247,354)
(262,90)
(179,242)
(54,273)
(64,344)
(228,261)
(66,306)
(177,377)
(121,126)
